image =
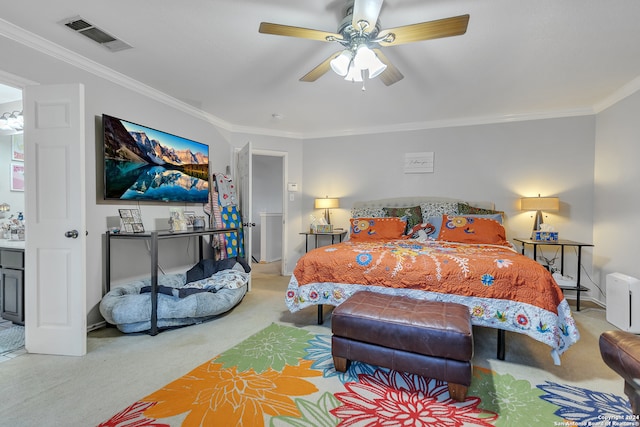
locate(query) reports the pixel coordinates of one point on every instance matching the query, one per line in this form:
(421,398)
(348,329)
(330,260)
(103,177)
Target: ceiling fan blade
(391,75)
(305,33)
(447,27)
(366,10)
(320,70)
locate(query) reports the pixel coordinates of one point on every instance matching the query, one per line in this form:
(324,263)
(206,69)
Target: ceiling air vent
(81,26)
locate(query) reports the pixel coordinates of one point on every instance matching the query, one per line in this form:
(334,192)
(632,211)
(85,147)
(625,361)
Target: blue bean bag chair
(209,289)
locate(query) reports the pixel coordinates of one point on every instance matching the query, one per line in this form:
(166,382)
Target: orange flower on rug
(210,393)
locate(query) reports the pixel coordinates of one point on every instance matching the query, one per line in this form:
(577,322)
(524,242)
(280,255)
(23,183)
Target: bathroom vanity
(12,280)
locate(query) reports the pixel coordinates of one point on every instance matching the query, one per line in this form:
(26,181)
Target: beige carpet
(39,390)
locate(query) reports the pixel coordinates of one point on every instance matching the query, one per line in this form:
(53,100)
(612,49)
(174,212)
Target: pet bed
(207,290)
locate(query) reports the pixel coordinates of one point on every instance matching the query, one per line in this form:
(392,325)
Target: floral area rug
(284,376)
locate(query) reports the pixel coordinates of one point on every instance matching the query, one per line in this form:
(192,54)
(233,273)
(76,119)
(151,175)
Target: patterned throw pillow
(412,215)
(438,208)
(367,213)
(469,229)
(464,209)
(366,229)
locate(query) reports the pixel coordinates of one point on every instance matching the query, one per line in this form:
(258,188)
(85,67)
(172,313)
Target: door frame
(285,178)
(284,156)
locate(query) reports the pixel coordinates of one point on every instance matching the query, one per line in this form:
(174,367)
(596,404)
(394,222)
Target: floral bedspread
(502,288)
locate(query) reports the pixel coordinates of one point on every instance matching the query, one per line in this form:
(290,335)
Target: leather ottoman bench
(427,338)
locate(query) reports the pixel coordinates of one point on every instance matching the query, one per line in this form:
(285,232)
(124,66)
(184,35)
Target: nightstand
(562,243)
(333,234)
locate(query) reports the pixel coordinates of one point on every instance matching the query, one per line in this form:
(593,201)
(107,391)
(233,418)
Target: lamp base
(327,216)
(536,224)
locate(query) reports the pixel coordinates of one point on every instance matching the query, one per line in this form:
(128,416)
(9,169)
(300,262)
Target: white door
(243,176)
(55,294)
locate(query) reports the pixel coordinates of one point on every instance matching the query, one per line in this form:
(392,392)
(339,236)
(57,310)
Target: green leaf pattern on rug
(273,347)
(312,414)
(516,402)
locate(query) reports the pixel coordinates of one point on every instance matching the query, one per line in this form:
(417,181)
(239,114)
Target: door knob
(73,234)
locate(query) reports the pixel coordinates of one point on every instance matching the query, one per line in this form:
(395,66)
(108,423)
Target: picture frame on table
(131,220)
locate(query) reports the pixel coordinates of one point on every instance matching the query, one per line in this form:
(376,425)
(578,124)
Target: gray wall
(498,162)
(129,258)
(617,189)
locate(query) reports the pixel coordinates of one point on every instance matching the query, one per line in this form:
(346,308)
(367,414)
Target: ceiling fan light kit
(361,39)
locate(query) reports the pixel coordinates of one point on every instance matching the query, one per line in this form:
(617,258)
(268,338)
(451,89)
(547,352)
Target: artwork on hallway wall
(17,176)
(17,147)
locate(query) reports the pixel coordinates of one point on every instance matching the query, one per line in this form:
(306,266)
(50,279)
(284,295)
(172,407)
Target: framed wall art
(17,147)
(17,176)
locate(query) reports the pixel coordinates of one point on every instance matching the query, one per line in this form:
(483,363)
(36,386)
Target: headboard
(404,202)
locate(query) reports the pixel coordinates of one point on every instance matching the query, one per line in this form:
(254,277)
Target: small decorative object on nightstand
(562,283)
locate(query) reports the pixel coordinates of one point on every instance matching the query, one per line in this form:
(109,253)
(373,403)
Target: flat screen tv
(141,163)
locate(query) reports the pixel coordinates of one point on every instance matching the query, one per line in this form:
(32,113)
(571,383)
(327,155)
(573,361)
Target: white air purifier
(623,302)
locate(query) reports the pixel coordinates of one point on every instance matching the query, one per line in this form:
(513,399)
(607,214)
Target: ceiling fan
(361,38)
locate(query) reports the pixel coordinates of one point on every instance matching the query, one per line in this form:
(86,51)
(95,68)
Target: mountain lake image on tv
(141,163)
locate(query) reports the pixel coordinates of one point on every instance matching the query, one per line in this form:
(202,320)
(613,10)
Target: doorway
(12,201)
(268,207)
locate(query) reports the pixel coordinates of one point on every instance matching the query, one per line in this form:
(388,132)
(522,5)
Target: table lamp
(539,204)
(326,204)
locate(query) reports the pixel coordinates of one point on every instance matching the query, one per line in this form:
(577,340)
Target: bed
(438,249)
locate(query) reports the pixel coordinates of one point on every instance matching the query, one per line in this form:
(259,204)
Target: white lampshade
(364,58)
(377,68)
(540,204)
(354,74)
(327,203)
(340,64)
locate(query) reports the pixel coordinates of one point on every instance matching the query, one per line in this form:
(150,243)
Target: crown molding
(629,89)
(42,45)
(448,123)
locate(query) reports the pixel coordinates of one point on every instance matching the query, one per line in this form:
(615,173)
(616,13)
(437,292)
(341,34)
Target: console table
(562,243)
(153,237)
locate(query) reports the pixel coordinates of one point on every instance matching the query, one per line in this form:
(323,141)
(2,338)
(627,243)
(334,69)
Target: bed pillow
(367,213)
(469,229)
(430,209)
(464,209)
(424,230)
(496,216)
(412,215)
(364,229)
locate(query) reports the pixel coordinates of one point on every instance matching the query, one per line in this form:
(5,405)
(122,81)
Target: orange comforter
(487,271)
(502,288)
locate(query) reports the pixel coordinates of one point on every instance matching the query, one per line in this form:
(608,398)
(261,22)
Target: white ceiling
(518,59)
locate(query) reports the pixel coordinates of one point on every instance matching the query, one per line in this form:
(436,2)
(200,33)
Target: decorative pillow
(430,209)
(425,230)
(464,209)
(496,216)
(363,229)
(367,213)
(412,215)
(468,229)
